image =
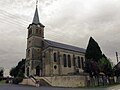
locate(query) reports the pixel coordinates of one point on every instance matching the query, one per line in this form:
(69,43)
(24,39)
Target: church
(47,58)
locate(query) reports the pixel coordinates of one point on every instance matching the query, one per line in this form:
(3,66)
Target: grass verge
(105,86)
(2,82)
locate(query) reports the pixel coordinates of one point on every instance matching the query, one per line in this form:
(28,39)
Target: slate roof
(65,46)
(36,17)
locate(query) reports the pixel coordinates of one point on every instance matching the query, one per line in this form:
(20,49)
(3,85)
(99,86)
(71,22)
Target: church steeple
(34,45)
(36,17)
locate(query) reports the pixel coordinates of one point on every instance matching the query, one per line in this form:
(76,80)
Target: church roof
(65,46)
(36,17)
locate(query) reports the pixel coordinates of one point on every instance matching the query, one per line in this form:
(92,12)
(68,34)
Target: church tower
(33,65)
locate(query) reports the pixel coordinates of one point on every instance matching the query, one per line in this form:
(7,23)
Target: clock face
(38,25)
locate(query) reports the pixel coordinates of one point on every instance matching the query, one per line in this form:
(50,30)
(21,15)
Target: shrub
(17,80)
(7,81)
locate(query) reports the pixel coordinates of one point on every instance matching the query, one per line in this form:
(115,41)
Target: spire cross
(36,3)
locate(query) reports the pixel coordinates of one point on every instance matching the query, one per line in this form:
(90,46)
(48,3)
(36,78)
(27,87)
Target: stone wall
(49,64)
(66,81)
(69,81)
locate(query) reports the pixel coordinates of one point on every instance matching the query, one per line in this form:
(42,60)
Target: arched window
(55,57)
(82,62)
(64,60)
(28,52)
(38,71)
(69,61)
(79,64)
(37,31)
(29,32)
(74,60)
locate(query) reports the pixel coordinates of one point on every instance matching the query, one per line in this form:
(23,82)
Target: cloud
(73,19)
(12,38)
(78,20)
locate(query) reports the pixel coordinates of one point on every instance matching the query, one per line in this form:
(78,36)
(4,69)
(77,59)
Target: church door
(38,71)
(28,71)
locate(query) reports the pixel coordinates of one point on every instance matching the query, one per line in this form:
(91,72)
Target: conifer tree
(93,50)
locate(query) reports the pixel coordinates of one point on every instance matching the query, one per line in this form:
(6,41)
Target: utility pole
(117,57)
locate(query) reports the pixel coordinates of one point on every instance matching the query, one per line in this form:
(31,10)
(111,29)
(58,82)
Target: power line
(22,23)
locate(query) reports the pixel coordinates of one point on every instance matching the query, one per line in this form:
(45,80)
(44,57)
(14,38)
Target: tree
(19,70)
(13,72)
(105,66)
(1,73)
(96,62)
(92,68)
(93,55)
(93,50)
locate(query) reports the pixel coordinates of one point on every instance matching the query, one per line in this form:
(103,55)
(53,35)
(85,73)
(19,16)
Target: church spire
(36,15)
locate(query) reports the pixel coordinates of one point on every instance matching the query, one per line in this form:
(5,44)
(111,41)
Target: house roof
(65,46)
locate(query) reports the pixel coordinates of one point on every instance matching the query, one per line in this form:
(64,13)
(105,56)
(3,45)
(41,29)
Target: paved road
(20,87)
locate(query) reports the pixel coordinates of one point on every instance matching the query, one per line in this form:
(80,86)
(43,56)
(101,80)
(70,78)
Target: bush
(7,81)
(1,78)
(17,80)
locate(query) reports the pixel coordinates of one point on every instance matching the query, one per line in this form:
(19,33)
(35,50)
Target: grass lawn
(2,82)
(106,86)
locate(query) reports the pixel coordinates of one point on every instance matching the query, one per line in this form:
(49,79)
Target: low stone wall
(59,81)
(69,81)
(66,81)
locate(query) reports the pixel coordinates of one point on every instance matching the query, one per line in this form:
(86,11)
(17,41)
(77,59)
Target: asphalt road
(20,87)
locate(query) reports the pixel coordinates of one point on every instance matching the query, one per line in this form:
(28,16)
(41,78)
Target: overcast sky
(67,21)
